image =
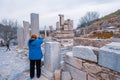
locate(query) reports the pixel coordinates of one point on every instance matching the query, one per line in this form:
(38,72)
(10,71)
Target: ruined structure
(20,37)
(35,24)
(26,32)
(51,34)
(82,63)
(64,31)
(23,34)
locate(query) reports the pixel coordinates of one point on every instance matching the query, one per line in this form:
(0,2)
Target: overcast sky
(48,10)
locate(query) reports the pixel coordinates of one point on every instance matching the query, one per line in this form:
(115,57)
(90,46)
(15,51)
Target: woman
(35,55)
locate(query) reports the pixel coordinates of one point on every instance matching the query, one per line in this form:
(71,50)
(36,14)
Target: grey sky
(48,10)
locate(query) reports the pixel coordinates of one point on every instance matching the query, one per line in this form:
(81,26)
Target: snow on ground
(14,64)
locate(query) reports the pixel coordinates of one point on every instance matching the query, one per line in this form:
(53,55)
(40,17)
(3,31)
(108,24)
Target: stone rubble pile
(91,42)
(90,63)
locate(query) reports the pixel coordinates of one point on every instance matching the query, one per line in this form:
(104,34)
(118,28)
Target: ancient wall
(91,42)
(90,63)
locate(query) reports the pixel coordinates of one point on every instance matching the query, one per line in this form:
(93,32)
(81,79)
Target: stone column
(51,59)
(45,32)
(20,37)
(35,24)
(84,31)
(70,24)
(51,31)
(57,26)
(61,21)
(26,32)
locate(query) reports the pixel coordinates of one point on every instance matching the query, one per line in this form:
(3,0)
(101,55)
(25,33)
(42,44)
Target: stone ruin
(64,31)
(80,62)
(23,33)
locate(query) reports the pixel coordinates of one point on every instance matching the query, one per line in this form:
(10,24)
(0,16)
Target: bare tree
(8,29)
(88,19)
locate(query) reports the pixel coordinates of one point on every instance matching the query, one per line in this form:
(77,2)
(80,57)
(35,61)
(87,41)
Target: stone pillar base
(49,75)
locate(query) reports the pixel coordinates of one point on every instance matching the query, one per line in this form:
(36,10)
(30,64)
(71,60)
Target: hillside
(109,16)
(109,22)
(112,19)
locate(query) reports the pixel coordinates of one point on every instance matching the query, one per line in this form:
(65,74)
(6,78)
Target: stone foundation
(89,63)
(91,42)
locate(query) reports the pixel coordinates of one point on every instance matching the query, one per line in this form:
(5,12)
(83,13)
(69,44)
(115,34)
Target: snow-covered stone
(85,52)
(109,56)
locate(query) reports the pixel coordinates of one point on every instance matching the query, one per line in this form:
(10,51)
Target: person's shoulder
(40,38)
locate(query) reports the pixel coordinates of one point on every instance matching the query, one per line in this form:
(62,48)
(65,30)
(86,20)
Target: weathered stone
(91,42)
(109,56)
(84,52)
(43,78)
(35,24)
(105,24)
(117,78)
(66,76)
(20,37)
(51,59)
(64,32)
(61,20)
(105,76)
(26,32)
(47,74)
(91,78)
(45,33)
(52,56)
(77,63)
(92,68)
(57,75)
(57,26)
(76,73)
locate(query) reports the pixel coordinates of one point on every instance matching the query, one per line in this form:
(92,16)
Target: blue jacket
(35,52)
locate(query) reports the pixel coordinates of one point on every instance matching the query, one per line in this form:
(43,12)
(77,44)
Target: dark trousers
(8,48)
(34,63)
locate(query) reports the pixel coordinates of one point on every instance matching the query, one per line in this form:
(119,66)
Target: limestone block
(108,76)
(115,39)
(91,78)
(109,56)
(43,78)
(76,73)
(26,32)
(92,68)
(35,23)
(84,52)
(66,76)
(118,79)
(77,63)
(57,74)
(52,56)
(20,37)
(46,73)
(91,42)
